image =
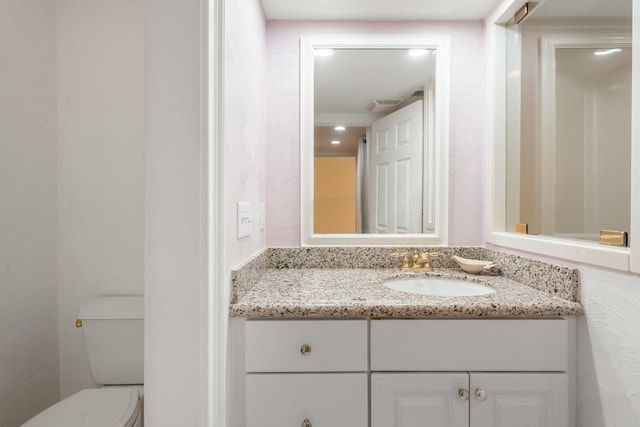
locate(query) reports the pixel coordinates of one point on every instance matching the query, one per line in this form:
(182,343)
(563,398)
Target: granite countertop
(359,293)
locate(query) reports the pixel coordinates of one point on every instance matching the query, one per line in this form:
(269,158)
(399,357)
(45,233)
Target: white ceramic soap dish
(473,266)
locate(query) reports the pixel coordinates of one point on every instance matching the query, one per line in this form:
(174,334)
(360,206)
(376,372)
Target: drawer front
(469,345)
(336,400)
(306,346)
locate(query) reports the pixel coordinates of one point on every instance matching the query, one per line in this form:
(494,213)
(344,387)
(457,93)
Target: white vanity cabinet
(306,373)
(407,373)
(477,373)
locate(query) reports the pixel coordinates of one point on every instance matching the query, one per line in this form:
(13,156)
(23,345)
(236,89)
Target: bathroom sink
(439,287)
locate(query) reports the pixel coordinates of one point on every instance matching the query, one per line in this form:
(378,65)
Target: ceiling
(349,141)
(420,10)
(581,63)
(583,8)
(347,81)
(378,10)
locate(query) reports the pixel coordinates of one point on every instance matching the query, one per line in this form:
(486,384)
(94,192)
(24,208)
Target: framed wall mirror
(567,149)
(374,140)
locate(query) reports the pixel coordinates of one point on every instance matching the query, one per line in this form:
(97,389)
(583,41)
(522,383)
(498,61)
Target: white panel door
(519,400)
(325,400)
(395,178)
(419,400)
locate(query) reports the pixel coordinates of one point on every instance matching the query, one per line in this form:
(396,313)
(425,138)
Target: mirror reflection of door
(395,178)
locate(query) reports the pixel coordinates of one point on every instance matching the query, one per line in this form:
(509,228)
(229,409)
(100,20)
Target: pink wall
(244,123)
(467,99)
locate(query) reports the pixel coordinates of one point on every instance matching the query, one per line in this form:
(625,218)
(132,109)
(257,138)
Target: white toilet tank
(114,338)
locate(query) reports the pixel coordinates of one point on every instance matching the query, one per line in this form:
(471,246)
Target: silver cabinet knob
(305,350)
(306,423)
(481,394)
(463,394)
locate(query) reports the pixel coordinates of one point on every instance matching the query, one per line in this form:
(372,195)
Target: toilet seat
(99,407)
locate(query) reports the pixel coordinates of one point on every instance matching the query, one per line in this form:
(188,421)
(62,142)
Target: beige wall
(335,195)
(29,376)
(100,56)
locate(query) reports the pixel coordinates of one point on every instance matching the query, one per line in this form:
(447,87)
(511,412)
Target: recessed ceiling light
(339,128)
(607,52)
(323,52)
(418,52)
(335,142)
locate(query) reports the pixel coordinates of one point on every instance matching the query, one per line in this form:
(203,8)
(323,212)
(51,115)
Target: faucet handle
(404,256)
(426,257)
(431,254)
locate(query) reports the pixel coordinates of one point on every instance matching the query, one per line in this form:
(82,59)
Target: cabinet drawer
(336,400)
(469,345)
(306,346)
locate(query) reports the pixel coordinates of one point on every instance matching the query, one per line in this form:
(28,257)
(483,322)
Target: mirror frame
(624,259)
(438,145)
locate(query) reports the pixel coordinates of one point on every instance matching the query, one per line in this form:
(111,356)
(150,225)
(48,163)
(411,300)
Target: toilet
(114,339)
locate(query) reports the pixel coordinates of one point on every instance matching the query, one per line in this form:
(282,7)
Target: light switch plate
(244,219)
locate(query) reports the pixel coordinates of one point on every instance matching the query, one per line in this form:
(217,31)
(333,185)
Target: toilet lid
(100,407)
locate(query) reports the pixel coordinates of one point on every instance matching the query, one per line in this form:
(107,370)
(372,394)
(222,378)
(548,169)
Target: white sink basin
(439,287)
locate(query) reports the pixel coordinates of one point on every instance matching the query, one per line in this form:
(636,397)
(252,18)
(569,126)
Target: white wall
(466,123)
(609,349)
(182,360)
(29,377)
(100,56)
(244,123)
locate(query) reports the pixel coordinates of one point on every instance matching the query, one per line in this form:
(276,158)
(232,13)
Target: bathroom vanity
(335,347)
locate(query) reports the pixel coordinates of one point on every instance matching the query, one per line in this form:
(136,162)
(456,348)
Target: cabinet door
(419,400)
(519,400)
(325,400)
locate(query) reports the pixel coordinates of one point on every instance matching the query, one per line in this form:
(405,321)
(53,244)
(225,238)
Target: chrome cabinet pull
(305,350)
(481,394)
(306,423)
(463,394)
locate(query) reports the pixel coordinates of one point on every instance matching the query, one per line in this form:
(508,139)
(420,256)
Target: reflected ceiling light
(607,52)
(418,52)
(335,142)
(323,52)
(339,128)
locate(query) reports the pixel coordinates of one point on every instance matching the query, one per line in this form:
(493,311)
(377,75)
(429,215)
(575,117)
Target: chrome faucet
(418,262)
